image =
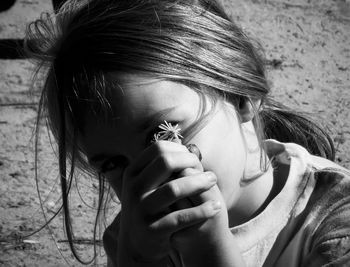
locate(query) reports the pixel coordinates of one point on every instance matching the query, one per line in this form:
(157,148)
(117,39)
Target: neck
(255,186)
(254,197)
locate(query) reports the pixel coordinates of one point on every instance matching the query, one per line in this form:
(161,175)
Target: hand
(210,242)
(206,236)
(147,222)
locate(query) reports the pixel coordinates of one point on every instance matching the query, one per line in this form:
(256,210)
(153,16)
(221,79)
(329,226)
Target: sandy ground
(308,50)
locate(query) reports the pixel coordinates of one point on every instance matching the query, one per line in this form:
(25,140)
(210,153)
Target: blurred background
(307,46)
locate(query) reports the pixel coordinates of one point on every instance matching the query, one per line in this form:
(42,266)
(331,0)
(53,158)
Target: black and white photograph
(175,133)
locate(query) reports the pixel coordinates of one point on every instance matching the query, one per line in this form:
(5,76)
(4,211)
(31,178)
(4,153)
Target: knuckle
(183,218)
(174,189)
(153,228)
(165,161)
(205,211)
(190,172)
(160,147)
(210,209)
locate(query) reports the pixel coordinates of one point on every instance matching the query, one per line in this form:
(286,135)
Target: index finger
(150,153)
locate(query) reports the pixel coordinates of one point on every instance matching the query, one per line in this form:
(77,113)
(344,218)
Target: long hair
(189,42)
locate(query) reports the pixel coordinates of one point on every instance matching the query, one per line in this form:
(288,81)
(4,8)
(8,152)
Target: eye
(113,163)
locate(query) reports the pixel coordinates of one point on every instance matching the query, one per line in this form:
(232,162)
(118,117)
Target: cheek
(227,160)
(228,164)
(223,150)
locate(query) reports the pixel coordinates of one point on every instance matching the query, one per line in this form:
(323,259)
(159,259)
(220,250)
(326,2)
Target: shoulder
(332,188)
(320,163)
(323,190)
(330,214)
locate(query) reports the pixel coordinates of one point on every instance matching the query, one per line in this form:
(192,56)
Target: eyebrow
(145,124)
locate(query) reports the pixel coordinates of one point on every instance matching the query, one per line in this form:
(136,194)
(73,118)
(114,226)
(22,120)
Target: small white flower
(168,132)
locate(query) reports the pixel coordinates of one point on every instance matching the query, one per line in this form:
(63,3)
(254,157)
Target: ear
(247,108)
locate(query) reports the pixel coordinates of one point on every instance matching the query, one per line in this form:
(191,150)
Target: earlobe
(247,108)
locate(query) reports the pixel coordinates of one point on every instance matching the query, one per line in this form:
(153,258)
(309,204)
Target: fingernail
(177,140)
(195,150)
(211,176)
(216,205)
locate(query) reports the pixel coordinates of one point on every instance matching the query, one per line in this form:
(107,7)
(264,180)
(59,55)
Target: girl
(227,193)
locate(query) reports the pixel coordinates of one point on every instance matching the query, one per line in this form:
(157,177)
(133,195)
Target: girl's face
(143,104)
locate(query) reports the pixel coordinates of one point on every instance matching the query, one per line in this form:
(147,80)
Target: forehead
(141,96)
